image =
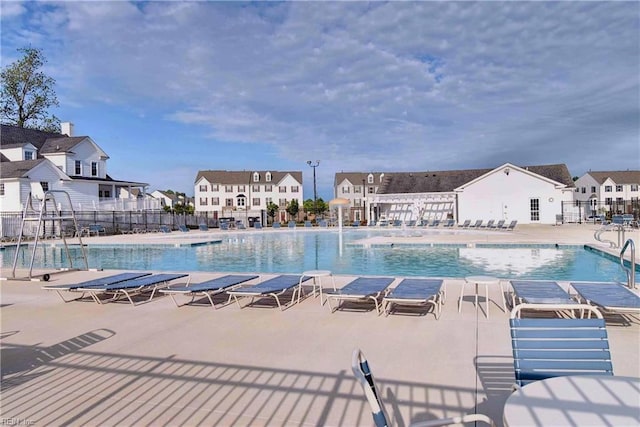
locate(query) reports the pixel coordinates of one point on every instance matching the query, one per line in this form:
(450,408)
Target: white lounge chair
(362,371)
(362,289)
(273,288)
(416,292)
(208,289)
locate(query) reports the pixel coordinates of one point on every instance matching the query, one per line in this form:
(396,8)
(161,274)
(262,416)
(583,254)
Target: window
(267,176)
(28,155)
(619,200)
(78,167)
(295,189)
(215,187)
(282,203)
(535,209)
(255,201)
(203,201)
(608,201)
(607,189)
(255,188)
(634,187)
(593,189)
(242,202)
(268,201)
(203,188)
(584,190)
(94,168)
(356,189)
(371,190)
(345,190)
(228,188)
(370,179)
(268,188)
(107,193)
(228,203)
(256,177)
(44,185)
(215,201)
(1,189)
(241,188)
(618,187)
(357,203)
(282,189)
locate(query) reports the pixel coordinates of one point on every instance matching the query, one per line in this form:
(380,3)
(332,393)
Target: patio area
(155,364)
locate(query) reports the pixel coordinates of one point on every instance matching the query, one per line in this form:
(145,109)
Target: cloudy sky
(170,88)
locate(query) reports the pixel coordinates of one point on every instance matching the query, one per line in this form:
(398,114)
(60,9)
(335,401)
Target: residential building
(34,161)
(244,195)
(608,192)
(529,194)
(356,187)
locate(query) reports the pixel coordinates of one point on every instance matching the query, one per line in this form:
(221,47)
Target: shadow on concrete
(76,386)
(20,363)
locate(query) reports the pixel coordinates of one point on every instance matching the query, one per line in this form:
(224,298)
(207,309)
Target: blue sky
(170,88)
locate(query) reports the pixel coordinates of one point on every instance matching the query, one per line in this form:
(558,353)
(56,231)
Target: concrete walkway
(82,363)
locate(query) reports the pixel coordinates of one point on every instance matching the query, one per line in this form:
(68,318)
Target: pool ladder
(631,272)
(610,227)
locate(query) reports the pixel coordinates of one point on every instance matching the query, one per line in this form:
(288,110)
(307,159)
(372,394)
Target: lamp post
(314,165)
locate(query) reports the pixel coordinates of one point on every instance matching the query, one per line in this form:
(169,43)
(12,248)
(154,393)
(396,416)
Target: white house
(33,161)
(531,194)
(246,194)
(608,191)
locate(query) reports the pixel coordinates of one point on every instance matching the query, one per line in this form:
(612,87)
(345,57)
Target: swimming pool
(294,252)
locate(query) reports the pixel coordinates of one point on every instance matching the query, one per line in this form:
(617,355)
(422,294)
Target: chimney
(66,128)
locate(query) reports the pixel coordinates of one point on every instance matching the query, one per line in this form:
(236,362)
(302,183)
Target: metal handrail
(631,272)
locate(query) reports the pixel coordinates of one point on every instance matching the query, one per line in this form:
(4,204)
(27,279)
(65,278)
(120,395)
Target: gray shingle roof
(18,169)
(45,142)
(356,178)
(447,181)
(619,177)
(244,177)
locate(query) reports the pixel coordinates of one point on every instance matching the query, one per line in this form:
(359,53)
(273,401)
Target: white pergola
(414,206)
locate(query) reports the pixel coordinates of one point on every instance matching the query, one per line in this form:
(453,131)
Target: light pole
(364,201)
(314,165)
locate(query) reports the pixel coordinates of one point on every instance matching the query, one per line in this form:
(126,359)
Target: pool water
(294,252)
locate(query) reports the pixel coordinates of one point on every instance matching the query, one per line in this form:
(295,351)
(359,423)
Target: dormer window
(267,176)
(381,177)
(256,177)
(28,155)
(370,179)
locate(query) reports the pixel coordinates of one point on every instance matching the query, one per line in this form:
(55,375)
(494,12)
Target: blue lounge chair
(203,227)
(208,289)
(435,223)
(323,223)
(273,288)
(133,287)
(477,224)
(355,224)
(489,224)
(257,225)
(75,287)
(411,223)
(291,224)
(609,297)
(183,228)
(512,225)
(539,292)
(498,225)
(421,292)
(362,371)
(397,223)
(307,224)
(362,289)
(465,224)
(276,225)
(164,229)
(450,223)
(546,348)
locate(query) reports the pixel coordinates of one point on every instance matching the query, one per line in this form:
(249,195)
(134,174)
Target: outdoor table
(486,281)
(581,400)
(317,276)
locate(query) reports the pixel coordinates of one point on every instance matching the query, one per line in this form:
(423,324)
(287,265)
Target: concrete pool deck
(155,364)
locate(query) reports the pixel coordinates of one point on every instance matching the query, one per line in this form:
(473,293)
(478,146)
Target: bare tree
(28,93)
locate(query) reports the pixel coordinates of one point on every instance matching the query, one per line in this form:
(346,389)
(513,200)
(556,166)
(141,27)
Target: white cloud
(397,86)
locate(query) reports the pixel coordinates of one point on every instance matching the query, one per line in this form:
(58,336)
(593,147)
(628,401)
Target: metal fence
(113,222)
(594,211)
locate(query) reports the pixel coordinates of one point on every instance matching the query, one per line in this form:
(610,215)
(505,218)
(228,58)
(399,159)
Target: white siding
(500,196)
